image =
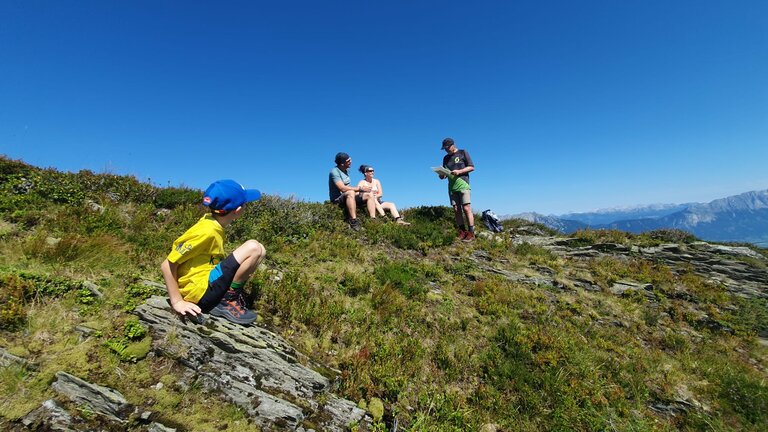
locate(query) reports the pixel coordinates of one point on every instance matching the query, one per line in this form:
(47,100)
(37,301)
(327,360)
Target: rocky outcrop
(741,270)
(49,416)
(250,366)
(253,368)
(7,359)
(105,408)
(100,400)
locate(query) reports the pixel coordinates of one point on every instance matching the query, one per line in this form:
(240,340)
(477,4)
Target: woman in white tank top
(373,199)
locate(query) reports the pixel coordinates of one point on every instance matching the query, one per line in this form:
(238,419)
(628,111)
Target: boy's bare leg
(250,254)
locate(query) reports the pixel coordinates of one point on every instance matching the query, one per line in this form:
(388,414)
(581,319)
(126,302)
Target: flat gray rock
(252,367)
(101,400)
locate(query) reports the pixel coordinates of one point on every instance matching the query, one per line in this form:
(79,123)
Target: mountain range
(737,218)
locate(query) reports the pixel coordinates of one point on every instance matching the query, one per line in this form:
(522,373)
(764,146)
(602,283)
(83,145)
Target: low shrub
(13,293)
(172,197)
(670,236)
(431,227)
(17,289)
(403,276)
(273,220)
(133,330)
(591,236)
(354,283)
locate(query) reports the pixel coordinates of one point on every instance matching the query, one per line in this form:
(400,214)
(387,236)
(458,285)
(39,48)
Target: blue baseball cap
(228,195)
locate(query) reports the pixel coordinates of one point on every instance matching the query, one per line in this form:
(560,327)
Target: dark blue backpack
(492,221)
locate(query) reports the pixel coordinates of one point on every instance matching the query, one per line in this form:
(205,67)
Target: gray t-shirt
(336,175)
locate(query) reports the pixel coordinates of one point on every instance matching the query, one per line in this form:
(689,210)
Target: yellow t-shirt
(197,252)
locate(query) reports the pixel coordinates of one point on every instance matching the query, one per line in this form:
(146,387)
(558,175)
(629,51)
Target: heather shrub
(670,236)
(13,291)
(431,227)
(274,220)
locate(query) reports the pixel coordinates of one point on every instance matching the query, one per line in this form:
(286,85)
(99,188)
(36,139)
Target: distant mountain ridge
(606,216)
(737,218)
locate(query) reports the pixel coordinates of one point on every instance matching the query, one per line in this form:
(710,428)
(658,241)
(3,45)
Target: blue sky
(564,106)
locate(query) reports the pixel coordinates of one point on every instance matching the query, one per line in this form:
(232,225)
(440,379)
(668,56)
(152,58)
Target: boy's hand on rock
(183,307)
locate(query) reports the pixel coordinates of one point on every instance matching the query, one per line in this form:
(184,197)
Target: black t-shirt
(457,161)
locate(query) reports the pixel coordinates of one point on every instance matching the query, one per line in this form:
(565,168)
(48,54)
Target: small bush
(536,254)
(670,236)
(590,236)
(172,197)
(356,283)
(745,394)
(273,220)
(13,291)
(431,227)
(135,294)
(750,316)
(133,330)
(19,288)
(404,277)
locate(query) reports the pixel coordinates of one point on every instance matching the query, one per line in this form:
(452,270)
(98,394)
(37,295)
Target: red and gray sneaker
(470,236)
(462,234)
(232,307)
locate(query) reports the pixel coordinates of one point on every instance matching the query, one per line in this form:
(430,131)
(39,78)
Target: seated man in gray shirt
(341,192)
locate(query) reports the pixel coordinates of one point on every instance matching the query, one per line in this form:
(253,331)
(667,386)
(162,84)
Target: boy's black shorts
(218,283)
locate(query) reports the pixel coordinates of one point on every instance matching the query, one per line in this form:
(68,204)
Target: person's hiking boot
(232,308)
(462,234)
(400,221)
(470,236)
(355,224)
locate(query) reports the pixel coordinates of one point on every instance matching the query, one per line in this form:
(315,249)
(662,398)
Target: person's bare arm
(465,170)
(178,303)
(344,188)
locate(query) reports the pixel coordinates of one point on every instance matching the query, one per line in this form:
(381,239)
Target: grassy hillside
(403,314)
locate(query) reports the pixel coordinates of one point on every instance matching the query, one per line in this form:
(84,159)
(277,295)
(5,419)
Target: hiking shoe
(400,221)
(355,224)
(232,308)
(470,236)
(462,234)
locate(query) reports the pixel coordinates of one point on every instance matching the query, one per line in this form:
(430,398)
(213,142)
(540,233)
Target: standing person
(459,163)
(340,191)
(373,200)
(198,276)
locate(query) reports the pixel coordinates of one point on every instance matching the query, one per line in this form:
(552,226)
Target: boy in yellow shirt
(198,276)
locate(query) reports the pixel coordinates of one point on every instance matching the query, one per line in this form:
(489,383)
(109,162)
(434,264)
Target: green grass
(406,314)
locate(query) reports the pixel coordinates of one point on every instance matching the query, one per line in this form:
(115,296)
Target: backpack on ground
(492,221)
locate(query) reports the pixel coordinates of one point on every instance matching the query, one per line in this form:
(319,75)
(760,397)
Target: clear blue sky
(563,105)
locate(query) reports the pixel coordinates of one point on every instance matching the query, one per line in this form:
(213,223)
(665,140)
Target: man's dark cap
(341,157)
(447,143)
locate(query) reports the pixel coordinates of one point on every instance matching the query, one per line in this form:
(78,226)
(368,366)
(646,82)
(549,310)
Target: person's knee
(254,249)
(351,198)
